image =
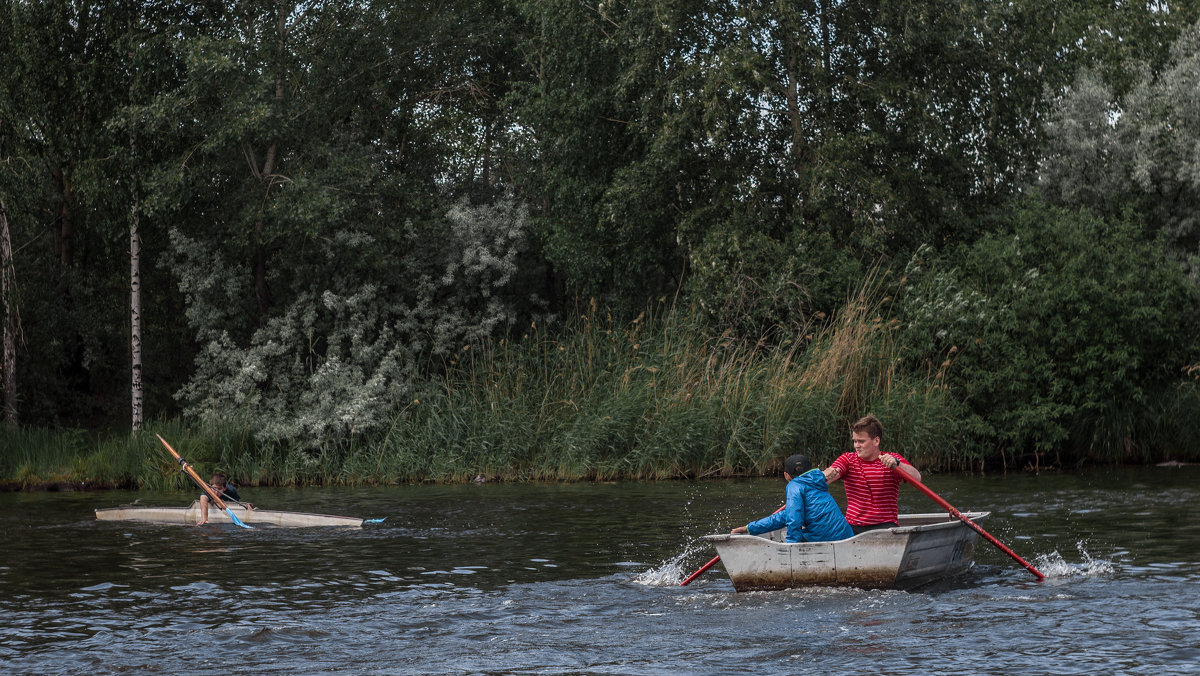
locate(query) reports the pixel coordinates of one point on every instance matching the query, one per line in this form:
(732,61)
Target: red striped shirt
(872,490)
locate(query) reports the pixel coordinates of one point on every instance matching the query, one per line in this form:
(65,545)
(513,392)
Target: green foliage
(1165,434)
(31,456)
(69,174)
(1109,152)
(756,285)
(659,129)
(1057,322)
(604,218)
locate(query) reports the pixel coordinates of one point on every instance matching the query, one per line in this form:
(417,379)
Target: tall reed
(659,397)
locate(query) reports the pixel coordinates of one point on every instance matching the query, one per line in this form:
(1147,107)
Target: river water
(584,578)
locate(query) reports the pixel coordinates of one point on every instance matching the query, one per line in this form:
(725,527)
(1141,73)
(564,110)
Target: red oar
(954,512)
(712,563)
(703,568)
(203,485)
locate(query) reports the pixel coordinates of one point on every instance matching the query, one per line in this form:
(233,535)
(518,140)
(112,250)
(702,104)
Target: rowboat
(925,548)
(191,514)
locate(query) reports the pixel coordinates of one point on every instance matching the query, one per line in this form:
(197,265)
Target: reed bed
(658,398)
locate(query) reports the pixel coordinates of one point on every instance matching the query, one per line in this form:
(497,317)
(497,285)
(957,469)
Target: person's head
(866,433)
(796,465)
(218,481)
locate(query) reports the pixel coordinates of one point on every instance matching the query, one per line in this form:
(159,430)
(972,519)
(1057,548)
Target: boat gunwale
(950,522)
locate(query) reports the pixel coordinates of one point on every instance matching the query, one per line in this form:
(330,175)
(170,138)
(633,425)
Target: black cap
(796,465)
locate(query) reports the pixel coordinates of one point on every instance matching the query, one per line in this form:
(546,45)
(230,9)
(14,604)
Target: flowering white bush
(331,363)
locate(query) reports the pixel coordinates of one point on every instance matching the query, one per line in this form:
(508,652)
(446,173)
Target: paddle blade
(379,520)
(236,520)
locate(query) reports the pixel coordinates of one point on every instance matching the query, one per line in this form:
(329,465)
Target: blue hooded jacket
(810,514)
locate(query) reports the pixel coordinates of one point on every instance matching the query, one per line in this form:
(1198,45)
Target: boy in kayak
(872,488)
(810,513)
(220,485)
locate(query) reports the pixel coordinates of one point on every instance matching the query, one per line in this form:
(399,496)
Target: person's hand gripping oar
(203,485)
(712,563)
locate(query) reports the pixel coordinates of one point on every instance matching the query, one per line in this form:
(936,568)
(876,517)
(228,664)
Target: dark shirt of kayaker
(227,493)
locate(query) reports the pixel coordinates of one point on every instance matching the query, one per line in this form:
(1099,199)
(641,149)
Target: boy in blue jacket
(810,513)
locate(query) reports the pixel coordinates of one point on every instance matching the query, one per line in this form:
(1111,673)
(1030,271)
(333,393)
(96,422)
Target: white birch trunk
(135,316)
(8,279)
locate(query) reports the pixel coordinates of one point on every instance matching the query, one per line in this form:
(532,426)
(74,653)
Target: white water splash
(1053,565)
(671,572)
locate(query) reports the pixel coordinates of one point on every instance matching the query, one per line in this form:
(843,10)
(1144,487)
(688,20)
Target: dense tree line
(329,198)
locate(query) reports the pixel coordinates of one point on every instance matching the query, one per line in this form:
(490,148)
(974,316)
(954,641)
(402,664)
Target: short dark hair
(869,424)
(796,465)
(219,479)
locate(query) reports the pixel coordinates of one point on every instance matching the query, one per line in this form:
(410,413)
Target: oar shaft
(700,572)
(195,477)
(979,529)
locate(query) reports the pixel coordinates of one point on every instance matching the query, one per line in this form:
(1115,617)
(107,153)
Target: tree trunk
(266,178)
(135,317)
(826,59)
(64,239)
(791,63)
(8,285)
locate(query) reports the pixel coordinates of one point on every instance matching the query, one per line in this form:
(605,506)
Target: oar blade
(233,517)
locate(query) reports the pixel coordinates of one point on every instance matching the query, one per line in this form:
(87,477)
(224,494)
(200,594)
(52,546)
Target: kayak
(191,514)
(925,548)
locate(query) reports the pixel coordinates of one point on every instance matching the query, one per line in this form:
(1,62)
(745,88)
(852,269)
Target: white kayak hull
(924,549)
(191,514)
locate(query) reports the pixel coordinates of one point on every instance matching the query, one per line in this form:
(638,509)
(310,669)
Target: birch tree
(8,285)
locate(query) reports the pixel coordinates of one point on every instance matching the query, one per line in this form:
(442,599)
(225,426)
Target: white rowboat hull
(923,549)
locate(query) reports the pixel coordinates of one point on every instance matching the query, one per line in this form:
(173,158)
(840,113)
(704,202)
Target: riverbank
(62,486)
(49,461)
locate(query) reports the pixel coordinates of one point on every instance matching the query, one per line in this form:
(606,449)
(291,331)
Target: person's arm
(893,461)
(203,510)
(767,523)
(837,469)
(231,493)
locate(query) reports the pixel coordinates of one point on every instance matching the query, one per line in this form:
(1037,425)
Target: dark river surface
(584,578)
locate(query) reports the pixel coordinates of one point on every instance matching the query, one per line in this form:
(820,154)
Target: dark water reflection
(583,578)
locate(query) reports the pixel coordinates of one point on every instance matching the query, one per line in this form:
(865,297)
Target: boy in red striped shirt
(872,488)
